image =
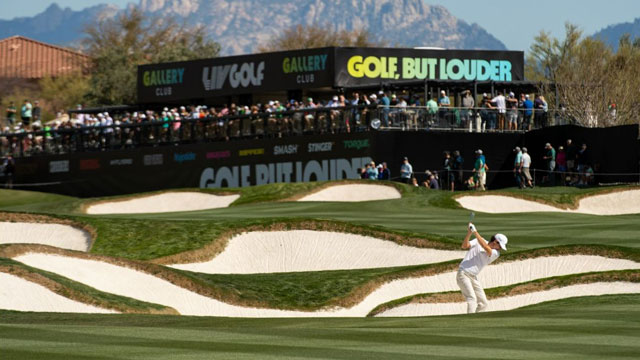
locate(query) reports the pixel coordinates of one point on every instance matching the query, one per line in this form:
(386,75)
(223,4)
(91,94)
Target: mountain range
(611,34)
(241,25)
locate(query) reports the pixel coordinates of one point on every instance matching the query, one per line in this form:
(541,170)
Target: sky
(515,23)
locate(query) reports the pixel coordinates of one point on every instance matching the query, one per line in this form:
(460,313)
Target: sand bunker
(354,193)
(517,301)
(135,284)
(616,203)
(22,295)
(62,236)
(165,202)
(306,250)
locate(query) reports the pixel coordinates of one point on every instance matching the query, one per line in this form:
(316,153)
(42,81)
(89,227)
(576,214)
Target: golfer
(480,254)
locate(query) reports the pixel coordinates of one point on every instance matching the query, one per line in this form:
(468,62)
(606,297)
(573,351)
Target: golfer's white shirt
(476,258)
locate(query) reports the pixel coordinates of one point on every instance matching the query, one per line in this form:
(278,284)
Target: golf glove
(472,228)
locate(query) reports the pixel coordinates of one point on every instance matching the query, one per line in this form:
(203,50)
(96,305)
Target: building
(27,59)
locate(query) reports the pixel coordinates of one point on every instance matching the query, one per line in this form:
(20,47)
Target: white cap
(271,103)
(373,96)
(502,240)
(335,98)
(511,94)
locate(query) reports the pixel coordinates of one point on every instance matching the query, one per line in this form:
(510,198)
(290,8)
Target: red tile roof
(21,57)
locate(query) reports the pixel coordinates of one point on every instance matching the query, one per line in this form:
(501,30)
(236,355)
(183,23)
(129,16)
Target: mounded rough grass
(79,292)
(515,289)
(209,251)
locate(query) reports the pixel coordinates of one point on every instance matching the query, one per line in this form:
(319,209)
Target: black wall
(309,158)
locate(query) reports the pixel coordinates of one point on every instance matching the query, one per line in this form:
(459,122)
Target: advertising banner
(206,78)
(314,158)
(356,67)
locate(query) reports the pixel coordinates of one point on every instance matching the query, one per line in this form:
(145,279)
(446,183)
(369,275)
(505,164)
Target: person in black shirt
(9,170)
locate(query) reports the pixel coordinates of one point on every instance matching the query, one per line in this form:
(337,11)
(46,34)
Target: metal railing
(71,137)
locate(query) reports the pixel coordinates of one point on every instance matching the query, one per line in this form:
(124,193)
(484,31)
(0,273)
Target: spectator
(512,112)
(25,114)
(372,171)
(550,164)
(478,171)
(444,103)
(384,173)
(517,167)
(561,164)
(406,171)
(11,114)
(501,104)
(544,121)
(414,182)
(432,110)
(433,181)
(450,177)
(526,165)
(385,108)
(458,162)
(570,149)
(9,171)
(37,111)
(538,104)
(582,159)
(528,113)
(486,168)
(486,114)
(467,109)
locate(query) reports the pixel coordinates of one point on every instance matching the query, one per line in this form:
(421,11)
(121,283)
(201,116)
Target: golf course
(318,270)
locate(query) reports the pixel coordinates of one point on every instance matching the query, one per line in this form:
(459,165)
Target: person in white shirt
(501,104)
(526,164)
(481,253)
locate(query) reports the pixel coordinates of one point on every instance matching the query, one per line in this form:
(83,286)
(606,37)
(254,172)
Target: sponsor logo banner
(267,173)
(218,154)
(356,144)
(59,166)
(119,162)
(285,149)
(180,158)
(249,152)
(222,76)
(320,147)
(362,66)
(89,164)
(153,159)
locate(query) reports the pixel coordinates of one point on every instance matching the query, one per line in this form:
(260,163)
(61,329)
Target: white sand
(166,202)
(517,301)
(62,236)
(354,193)
(127,282)
(616,203)
(22,295)
(306,250)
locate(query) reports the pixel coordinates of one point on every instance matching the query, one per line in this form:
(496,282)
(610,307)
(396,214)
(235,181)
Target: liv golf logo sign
(215,77)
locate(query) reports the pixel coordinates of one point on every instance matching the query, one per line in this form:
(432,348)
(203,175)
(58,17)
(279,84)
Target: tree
(64,92)
(588,75)
(315,36)
(118,45)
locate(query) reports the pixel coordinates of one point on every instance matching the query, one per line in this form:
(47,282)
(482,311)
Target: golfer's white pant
(472,291)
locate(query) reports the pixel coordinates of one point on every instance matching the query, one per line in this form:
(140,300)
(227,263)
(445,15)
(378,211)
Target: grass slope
(605,327)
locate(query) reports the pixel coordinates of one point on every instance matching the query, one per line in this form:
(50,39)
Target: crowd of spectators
(569,166)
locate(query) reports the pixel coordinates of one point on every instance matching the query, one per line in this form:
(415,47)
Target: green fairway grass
(604,327)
